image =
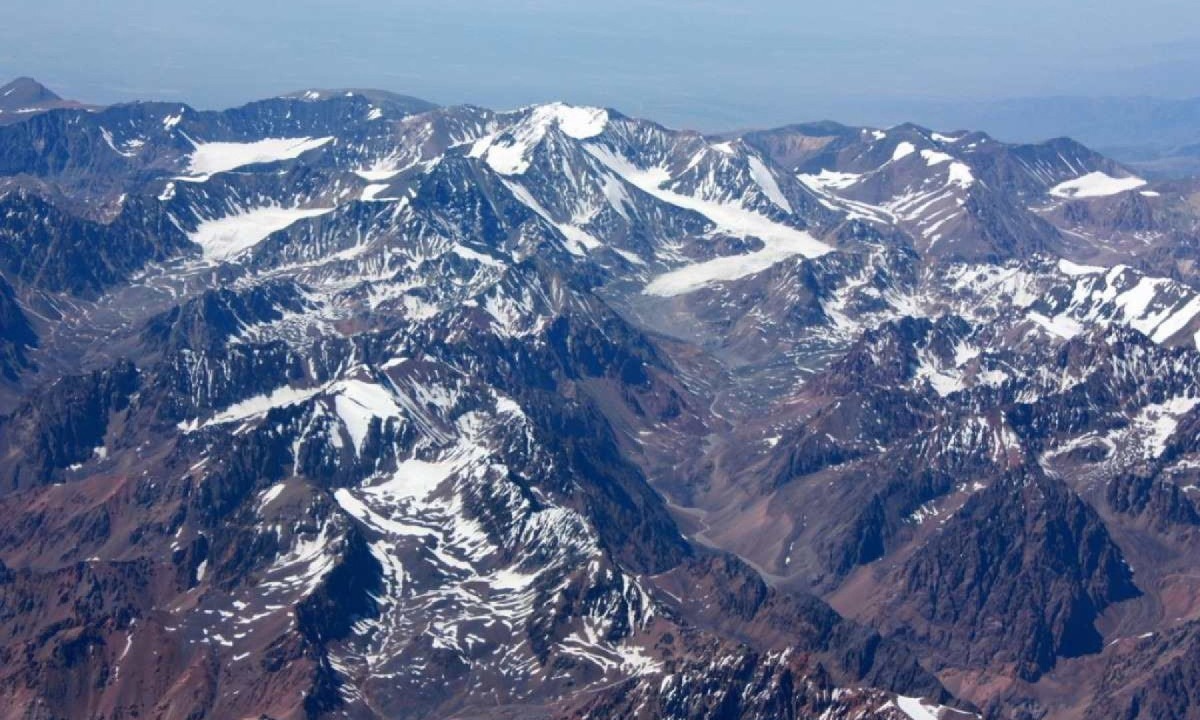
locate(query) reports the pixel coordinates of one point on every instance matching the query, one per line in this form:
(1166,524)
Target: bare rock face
(17,336)
(1027,567)
(1153,677)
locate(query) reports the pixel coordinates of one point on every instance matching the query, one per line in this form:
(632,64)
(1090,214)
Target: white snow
(509,152)
(960,174)
(308,562)
(1150,193)
(943,383)
(377,174)
(270,494)
(506,158)
(1095,184)
(1177,321)
(693,277)
(762,175)
(357,402)
(217,157)
(830,179)
(617,196)
(939,137)
(635,660)
(371,192)
(1060,325)
(577,122)
(258,405)
(1157,422)
(231,235)
(1066,267)
(1135,302)
(934,157)
(578,240)
(468,254)
(779,241)
(903,150)
(915,709)
(415,479)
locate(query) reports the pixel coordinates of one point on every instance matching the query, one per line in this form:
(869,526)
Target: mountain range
(344,404)
(1155,135)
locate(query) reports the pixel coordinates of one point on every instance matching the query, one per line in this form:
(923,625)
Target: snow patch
(1059,325)
(1156,423)
(831,179)
(253,406)
(903,150)
(916,709)
(960,174)
(1177,321)
(377,174)
(371,192)
(232,235)
(693,277)
(217,157)
(358,402)
(1066,267)
(934,157)
(766,181)
(1096,184)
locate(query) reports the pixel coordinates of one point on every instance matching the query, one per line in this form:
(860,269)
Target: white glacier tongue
(698,275)
(226,237)
(216,157)
(779,241)
(1096,184)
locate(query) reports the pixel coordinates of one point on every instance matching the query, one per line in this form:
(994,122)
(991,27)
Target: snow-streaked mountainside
(340,404)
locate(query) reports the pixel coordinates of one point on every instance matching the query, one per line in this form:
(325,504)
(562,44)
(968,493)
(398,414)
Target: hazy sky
(695,62)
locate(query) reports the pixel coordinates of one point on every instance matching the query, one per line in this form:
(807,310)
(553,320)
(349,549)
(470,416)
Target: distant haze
(694,63)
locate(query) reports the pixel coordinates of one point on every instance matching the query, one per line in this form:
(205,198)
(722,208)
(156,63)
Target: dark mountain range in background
(1160,137)
(26,96)
(344,404)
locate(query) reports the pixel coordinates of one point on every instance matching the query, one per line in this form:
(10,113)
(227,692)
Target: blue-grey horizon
(708,65)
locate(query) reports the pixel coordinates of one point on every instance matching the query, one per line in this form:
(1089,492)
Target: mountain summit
(25,92)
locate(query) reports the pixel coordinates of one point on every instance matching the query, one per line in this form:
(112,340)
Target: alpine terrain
(345,405)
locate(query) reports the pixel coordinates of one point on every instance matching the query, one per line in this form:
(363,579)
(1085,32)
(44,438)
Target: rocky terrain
(342,404)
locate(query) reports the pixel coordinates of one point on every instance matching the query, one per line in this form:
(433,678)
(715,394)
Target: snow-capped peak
(508,151)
